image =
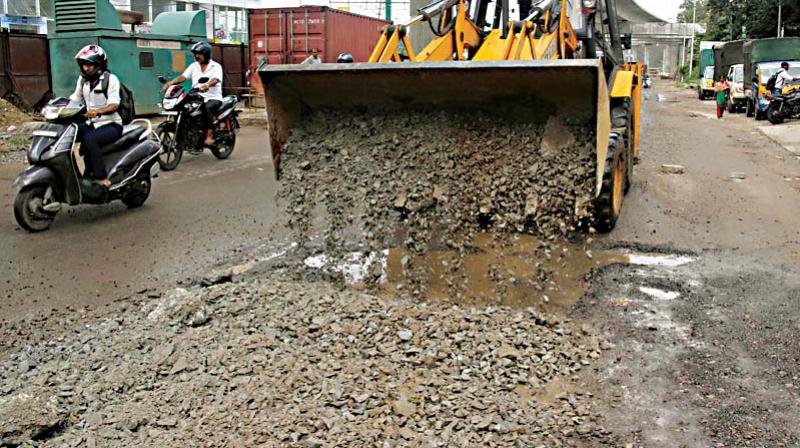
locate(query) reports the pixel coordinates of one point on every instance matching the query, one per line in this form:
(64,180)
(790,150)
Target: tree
(738,19)
(687,11)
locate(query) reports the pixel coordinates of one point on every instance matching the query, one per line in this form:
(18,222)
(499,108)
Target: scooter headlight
(50,113)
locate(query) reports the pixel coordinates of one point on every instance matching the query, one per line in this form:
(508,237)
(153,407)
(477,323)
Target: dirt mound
(11,120)
(273,362)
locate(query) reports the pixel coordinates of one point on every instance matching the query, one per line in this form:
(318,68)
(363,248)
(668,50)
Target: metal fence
(24,68)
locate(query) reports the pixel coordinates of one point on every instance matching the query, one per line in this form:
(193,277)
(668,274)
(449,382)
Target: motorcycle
(52,178)
(782,107)
(184,128)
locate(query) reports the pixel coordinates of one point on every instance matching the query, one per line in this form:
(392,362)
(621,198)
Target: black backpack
(125,108)
(772,81)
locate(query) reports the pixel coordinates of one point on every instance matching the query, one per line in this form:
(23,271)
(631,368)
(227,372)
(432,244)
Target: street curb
(253,119)
(794,149)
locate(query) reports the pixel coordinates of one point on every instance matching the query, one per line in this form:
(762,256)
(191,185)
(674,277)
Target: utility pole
(388,9)
(691,51)
(780,10)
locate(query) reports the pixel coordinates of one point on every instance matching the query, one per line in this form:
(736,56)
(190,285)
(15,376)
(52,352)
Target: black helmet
(203,48)
(95,56)
(345,58)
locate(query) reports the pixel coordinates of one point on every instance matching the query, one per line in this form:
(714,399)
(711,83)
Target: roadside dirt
(12,137)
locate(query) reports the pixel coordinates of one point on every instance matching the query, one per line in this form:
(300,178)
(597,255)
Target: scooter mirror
(162,79)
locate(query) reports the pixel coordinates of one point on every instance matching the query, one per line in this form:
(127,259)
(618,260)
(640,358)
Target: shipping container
(288,36)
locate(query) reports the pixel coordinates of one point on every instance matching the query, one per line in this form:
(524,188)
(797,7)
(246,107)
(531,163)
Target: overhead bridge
(633,11)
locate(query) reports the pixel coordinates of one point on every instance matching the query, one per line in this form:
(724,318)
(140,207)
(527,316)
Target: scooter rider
(211,90)
(101,109)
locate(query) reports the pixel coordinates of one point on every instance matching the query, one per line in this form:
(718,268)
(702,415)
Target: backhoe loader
(558,57)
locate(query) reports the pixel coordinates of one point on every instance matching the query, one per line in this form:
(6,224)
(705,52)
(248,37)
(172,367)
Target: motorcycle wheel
(224,148)
(138,194)
(773,116)
(28,209)
(171,153)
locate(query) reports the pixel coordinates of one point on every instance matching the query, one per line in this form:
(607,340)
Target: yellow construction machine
(559,57)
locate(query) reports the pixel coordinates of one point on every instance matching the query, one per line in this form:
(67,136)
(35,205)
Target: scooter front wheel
(29,211)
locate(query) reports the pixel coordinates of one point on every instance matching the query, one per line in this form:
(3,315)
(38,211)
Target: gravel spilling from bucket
(433,180)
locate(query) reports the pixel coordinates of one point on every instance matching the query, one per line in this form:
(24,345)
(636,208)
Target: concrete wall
(665,57)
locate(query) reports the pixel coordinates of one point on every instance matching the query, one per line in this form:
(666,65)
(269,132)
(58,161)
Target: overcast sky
(667,9)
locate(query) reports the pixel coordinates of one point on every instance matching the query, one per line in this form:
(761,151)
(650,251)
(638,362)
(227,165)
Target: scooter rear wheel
(138,194)
(28,209)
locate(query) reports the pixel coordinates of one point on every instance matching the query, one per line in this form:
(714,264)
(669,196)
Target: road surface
(196,216)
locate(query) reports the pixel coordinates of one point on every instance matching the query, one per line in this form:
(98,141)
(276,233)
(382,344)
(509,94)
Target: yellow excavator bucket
(573,89)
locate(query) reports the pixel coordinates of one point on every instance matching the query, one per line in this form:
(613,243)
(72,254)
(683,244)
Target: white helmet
(95,56)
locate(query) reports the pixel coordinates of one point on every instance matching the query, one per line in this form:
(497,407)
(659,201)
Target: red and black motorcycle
(184,128)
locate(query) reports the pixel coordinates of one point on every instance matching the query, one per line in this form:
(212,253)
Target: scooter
(53,178)
(184,129)
(782,107)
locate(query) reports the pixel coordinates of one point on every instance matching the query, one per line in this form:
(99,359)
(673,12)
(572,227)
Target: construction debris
(272,362)
(672,169)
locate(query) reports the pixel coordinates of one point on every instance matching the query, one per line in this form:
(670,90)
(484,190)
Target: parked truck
(729,61)
(705,85)
(762,59)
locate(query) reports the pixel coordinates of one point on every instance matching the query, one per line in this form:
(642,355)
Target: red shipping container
(288,35)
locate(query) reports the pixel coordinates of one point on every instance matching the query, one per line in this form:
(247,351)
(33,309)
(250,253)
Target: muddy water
(518,272)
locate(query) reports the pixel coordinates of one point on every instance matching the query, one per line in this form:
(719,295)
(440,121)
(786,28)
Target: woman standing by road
(721,88)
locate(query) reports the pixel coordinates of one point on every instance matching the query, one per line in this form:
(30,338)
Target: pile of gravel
(272,362)
(433,180)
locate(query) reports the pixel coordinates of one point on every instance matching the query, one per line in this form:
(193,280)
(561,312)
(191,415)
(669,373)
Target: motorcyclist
(101,109)
(211,90)
(782,78)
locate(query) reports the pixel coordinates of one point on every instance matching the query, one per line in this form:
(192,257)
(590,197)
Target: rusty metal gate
(233,59)
(24,69)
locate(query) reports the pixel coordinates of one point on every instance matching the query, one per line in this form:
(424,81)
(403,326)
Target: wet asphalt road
(196,216)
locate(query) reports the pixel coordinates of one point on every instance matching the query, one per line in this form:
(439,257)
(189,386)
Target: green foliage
(737,19)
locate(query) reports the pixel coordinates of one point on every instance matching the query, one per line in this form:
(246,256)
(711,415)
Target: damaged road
(688,340)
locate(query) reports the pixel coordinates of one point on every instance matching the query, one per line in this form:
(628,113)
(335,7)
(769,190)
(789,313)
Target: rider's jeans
(92,142)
